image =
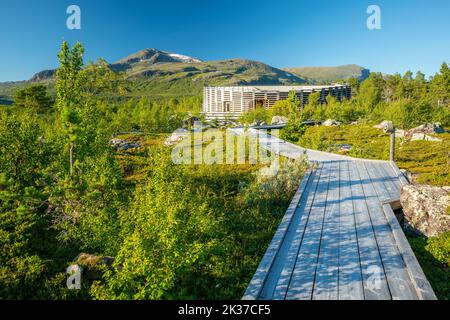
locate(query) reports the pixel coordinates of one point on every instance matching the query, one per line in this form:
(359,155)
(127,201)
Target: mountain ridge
(328,73)
(155,72)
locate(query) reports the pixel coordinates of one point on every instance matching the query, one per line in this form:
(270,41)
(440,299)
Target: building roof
(280,88)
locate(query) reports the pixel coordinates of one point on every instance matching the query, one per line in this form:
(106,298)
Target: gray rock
(422,136)
(344,147)
(382,125)
(331,122)
(399,133)
(425,208)
(176,137)
(279,120)
(119,144)
(92,266)
(428,128)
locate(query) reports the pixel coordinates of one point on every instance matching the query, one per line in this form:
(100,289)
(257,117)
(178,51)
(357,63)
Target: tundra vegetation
(408,101)
(174,231)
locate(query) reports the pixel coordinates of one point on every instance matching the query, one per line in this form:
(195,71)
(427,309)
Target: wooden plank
(389,171)
(302,282)
(378,180)
(399,174)
(326,281)
(303,210)
(275,271)
(392,191)
(259,279)
(397,276)
(289,232)
(350,276)
(371,264)
(421,284)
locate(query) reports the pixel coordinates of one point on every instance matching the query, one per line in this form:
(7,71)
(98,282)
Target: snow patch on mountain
(183,58)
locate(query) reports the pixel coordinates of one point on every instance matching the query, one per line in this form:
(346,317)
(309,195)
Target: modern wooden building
(232,102)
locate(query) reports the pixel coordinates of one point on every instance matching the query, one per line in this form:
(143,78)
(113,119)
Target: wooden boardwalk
(340,239)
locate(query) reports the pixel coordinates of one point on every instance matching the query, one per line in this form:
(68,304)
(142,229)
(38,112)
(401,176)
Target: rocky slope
(156,72)
(330,74)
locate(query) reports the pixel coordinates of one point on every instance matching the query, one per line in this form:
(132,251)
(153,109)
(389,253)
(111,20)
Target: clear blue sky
(415,35)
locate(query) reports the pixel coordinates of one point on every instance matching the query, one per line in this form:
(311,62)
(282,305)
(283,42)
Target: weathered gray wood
(391,190)
(371,264)
(399,174)
(378,181)
(350,276)
(326,281)
(288,234)
(303,209)
(262,273)
(421,284)
(397,276)
(302,282)
(337,237)
(388,171)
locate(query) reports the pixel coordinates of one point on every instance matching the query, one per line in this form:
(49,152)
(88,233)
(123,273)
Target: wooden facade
(232,102)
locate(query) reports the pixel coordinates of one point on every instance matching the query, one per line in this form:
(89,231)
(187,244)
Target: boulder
(422,136)
(331,122)
(119,144)
(279,120)
(382,125)
(425,209)
(428,128)
(92,266)
(399,133)
(176,137)
(344,147)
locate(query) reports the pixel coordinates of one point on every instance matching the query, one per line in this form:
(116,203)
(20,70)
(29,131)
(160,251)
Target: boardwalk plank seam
(299,262)
(301,284)
(395,267)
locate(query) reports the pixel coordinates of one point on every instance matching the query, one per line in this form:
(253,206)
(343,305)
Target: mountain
(7,90)
(150,57)
(156,65)
(44,75)
(189,78)
(155,72)
(330,74)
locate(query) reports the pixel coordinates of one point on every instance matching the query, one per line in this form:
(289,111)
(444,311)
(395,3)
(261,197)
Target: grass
(244,215)
(428,161)
(434,257)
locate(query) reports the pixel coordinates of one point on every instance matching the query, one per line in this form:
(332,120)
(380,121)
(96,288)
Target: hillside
(330,74)
(7,90)
(189,78)
(157,73)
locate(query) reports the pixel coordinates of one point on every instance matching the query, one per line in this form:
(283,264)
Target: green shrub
(434,257)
